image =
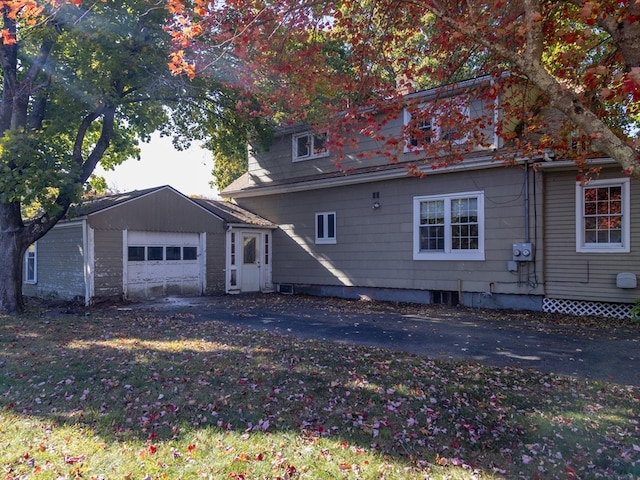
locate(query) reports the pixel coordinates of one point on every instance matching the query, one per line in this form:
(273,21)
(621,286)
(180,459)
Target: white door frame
(234,258)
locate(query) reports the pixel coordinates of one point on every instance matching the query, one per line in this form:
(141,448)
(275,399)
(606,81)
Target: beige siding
(108,267)
(584,276)
(215,261)
(162,211)
(60,264)
(276,164)
(374,247)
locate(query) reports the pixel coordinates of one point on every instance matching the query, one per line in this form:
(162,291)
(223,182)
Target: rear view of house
(149,243)
(474,232)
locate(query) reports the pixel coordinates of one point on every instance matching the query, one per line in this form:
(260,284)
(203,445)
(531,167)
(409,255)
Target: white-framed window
(326,227)
(309,145)
(31,264)
(420,134)
(439,123)
(449,227)
(603,216)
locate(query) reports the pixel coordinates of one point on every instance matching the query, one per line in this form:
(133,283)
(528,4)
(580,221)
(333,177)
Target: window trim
(34,258)
(310,155)
(325,239)
(625,245)
(449,254)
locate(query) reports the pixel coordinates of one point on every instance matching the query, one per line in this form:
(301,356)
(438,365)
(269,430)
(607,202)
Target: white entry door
(250,277)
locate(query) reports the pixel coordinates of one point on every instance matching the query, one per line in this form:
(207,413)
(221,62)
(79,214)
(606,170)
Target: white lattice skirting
(576,307)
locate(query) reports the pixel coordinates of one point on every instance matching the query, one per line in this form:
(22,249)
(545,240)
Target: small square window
(155,253)
(309,145)
(189,253)
(174,253)
(135,254)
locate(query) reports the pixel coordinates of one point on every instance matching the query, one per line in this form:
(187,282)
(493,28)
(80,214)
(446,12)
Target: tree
(81,84)
(580,58)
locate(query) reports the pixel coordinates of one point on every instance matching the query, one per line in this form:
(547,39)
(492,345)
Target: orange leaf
(7,38)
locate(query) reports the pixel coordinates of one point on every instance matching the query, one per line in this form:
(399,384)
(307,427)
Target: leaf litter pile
(137,395)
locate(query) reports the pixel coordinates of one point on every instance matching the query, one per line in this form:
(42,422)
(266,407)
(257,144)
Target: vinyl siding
(375,247)
(60,264)
(215,262)
(108,268)
(584,276)
(276,163)
(162,211)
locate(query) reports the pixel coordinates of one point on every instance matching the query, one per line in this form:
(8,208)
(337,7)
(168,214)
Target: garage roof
(232,213)
(228,212)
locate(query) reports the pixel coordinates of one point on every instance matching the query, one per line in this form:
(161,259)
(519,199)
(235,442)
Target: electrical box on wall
(522,252)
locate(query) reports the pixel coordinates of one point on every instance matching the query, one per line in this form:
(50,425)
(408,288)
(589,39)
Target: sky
(160,163)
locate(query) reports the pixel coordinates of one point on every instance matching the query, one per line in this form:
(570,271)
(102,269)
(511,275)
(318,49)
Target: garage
(151,243)
(160,264)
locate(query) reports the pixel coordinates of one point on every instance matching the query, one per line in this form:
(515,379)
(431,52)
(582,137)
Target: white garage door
(161,264)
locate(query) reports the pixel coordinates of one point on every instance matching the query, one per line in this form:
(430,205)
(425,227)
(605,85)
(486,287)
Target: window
(136,254)
(233,249)
(420,133)
(155,253)
(173,253)
(309,145)
(602,216)
(443,124)
(158,253)
(30,264)
(326,227)
(449,227)
(249,255)
(189,253)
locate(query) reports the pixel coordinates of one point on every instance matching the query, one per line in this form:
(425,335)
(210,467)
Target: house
(476,233)
(150,243)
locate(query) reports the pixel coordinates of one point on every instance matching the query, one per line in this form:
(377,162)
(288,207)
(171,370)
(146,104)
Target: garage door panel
(157,278)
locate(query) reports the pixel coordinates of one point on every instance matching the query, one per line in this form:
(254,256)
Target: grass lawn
(130,395)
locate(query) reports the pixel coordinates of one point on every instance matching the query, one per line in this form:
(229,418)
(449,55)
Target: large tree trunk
(13,244)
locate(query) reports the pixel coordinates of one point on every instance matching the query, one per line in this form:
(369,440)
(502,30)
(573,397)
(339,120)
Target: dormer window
(439,123)
(309,145)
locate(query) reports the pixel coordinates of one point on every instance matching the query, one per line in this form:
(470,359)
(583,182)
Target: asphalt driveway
(586,348)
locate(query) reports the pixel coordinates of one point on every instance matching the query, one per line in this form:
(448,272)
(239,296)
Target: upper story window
(434,123)
(449,227)
(602,216)
(326,227)
(309,145)
(30,264)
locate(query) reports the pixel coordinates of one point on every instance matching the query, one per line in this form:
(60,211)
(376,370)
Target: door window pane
(249,250)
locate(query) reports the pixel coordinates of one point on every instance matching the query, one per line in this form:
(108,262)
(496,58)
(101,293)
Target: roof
(245,185)
(232,213)
(94,205)
(228,212)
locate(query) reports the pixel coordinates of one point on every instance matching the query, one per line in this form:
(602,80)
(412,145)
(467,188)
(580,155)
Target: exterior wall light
(376,205)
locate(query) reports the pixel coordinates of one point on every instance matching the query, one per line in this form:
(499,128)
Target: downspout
(526,202)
